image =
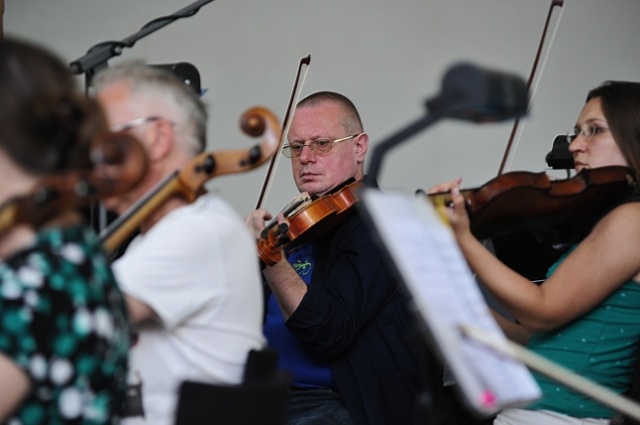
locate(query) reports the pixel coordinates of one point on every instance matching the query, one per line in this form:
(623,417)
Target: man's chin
(310,188)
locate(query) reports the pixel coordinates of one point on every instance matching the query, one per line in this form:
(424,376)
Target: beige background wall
(387,56)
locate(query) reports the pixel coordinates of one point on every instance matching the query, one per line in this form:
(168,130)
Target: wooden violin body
(530,220)
(307,221)
(119,163)
(563,211)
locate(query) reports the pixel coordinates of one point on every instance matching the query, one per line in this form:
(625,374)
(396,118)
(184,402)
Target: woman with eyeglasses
(64,334)
(586,315)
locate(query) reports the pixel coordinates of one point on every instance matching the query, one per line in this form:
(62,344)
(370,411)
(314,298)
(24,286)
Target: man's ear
(163,140)
(361,144)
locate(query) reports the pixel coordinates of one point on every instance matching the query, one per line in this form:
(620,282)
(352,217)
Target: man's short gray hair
(157,85)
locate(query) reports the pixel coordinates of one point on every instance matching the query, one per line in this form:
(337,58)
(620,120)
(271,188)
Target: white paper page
(446,295)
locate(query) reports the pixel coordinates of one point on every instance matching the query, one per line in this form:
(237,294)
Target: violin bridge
(296,204)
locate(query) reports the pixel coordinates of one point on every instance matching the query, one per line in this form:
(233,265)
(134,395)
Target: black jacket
(357,316)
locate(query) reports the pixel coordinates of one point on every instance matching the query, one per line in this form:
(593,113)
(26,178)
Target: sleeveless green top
(600,346)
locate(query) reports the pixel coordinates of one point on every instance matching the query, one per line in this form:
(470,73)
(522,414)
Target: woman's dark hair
(621,107)
(46,124)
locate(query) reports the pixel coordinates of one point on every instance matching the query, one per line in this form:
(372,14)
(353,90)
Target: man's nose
(307,155)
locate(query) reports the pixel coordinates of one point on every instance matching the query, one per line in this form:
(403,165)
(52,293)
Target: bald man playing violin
(334,311)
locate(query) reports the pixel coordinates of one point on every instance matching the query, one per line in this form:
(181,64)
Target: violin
(188,183)
(119,162)
(560,211)
(306,219)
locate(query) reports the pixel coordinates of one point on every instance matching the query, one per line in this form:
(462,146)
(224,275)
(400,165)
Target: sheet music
(446,296)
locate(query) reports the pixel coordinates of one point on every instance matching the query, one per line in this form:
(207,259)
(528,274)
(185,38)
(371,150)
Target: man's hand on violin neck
(445,187)
(257,220)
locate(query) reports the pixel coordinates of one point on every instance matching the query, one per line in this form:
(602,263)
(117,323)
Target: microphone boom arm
(97,56)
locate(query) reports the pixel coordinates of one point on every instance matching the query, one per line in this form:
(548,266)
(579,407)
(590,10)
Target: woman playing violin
(586,315)
(63,328)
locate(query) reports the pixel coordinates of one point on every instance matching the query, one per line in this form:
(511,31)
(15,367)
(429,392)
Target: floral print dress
(63,322)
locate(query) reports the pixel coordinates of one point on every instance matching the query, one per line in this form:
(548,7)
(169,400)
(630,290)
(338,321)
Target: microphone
(468,93)
(475,94)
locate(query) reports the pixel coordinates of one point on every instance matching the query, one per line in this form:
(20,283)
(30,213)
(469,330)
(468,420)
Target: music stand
(426,258)
(489,369)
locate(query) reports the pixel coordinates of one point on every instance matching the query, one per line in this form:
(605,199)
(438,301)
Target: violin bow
(514,130)
(301,74)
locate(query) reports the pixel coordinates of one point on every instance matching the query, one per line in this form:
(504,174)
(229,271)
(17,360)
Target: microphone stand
(417,126)
(468,93)
(97,57)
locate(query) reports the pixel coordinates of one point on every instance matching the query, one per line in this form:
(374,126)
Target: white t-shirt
(198,269)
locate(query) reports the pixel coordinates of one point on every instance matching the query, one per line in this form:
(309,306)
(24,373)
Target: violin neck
(130,220)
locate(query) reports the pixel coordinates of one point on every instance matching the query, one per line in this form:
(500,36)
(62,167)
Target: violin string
(537,83)
(300,201)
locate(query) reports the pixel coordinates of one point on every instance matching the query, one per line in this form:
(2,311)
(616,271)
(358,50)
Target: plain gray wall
(387,56)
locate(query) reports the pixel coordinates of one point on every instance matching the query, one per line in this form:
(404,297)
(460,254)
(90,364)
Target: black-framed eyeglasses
(589,132)
(134,123)
(317,147)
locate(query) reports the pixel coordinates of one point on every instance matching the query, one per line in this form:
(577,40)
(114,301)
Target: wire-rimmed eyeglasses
(589,132)
(134,123)
(318,147)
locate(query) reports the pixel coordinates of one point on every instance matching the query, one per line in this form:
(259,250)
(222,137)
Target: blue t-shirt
(306,370)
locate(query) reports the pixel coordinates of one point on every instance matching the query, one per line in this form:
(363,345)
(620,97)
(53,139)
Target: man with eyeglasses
(335,312)
(191,280)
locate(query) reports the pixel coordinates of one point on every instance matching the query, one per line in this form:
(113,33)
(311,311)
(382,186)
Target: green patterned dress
(63,321)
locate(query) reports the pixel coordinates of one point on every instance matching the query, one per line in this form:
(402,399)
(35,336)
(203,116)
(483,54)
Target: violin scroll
(253,122)
(256,122)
